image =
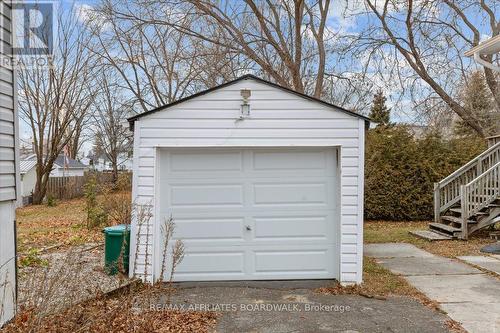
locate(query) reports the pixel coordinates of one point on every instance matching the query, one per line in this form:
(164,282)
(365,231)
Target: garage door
(253,214)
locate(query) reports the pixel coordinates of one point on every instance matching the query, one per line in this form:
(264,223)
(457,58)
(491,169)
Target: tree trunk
(114,164)
(40,191)
(115,173)
(42,180)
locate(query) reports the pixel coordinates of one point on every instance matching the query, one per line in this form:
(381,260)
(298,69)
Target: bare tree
(284,39)
(431,37)
(111,109)
(54,99)
(155,63)
(78,135)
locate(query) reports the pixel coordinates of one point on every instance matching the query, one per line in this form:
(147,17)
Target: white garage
(262,183)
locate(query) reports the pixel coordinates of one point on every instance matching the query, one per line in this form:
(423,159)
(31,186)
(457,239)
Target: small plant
(77,240)
(177,253)
(124,182)
(118,206)
(96,215)
(51,201)
(32,259)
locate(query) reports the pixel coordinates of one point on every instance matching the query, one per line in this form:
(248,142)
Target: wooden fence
(74,187)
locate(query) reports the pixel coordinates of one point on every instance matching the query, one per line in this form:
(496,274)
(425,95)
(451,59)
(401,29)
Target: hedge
(401,171)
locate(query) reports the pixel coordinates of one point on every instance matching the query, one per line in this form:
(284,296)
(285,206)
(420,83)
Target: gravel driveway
(67,277)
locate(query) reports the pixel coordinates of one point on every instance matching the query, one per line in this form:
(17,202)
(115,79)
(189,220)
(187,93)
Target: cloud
(86,14)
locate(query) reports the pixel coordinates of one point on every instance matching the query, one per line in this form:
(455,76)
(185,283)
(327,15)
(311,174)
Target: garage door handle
(248,227)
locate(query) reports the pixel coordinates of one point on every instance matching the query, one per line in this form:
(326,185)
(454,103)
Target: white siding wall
(278,118)
(72,172)
(9,169)
(7,261)
(28,182)
(7,115)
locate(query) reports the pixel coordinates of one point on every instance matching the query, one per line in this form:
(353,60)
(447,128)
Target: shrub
(118,206)
(124,182)
(96,215)
(51,201)
(401,171)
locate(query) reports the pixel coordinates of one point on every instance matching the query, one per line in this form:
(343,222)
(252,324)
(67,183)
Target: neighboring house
(27,170)
(102,163)
(68,167)
(9,172)
(72,168)
(63,166)
(262,182)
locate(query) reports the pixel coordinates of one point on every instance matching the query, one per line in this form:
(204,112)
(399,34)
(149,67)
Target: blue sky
(342,18)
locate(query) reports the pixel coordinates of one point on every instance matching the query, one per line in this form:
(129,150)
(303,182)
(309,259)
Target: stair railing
(447,191)
(478,194)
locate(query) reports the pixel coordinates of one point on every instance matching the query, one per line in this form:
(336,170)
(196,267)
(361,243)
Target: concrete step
(430,235)
(446,229)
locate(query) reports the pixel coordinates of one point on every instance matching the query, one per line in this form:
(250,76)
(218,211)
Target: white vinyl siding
(7,113)
(8,169)
(277,119)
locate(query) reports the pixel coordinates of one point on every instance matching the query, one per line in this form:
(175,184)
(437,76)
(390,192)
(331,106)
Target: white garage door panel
(273,160)
(206,195)
(289,193)
(293,262)
(209,230)
(213,161)
(210,263)
(292,228)
(252,214)
(257,263)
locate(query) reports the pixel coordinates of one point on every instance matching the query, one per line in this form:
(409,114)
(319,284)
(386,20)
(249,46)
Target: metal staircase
(469,198)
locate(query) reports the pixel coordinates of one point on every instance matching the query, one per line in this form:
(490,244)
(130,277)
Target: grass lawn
(397,232)
(41,226)
(378,281)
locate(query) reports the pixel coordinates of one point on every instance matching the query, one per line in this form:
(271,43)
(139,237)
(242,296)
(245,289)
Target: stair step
(447,229)
(430,235)
(459,211)
(455,219)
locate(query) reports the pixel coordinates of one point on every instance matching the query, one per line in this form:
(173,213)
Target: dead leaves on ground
(114,316)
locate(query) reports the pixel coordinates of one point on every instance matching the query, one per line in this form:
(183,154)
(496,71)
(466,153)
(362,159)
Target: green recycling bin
(116,247)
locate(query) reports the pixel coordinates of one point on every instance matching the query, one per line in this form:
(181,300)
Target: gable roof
(59,161)
(71,162)
(26,165)
(132,119)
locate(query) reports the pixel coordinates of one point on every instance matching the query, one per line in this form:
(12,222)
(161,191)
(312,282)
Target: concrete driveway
(295,307)
(469,295)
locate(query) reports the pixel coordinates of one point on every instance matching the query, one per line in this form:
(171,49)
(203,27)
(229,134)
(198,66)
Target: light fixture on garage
(245,107)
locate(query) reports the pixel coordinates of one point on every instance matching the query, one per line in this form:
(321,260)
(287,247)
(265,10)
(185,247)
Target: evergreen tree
(379,112)
(478,102)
